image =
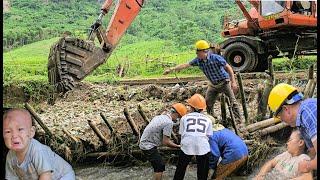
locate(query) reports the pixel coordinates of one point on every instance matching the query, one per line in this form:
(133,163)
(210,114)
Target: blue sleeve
(310,117)
(194,62)
(214,147)
(220,59)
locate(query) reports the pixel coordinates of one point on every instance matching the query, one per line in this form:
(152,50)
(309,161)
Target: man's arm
(167,142)
(45,176)
(307,166)
(266,168)
(229,70)
(177,68)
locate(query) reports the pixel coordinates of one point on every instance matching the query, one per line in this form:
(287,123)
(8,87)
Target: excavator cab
(71,59)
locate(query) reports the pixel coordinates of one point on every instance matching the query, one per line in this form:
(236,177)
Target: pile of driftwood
(119,146)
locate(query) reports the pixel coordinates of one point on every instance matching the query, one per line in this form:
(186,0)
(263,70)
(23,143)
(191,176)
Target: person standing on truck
(288,105)
(158,132)
(195,128)
(221,79)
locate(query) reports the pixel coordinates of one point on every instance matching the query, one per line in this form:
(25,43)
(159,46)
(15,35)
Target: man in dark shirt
(220,76)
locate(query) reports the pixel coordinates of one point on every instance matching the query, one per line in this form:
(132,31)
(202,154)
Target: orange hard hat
(180,108)
(197,101)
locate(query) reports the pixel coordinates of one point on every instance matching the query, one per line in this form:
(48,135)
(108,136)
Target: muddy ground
(74,109)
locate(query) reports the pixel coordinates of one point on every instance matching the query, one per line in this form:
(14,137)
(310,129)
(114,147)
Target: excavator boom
(72,59)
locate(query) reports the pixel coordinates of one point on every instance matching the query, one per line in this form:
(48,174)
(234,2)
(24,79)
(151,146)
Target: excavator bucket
(71,59)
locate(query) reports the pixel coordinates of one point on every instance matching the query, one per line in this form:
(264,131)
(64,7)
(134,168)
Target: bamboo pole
(144,117)
(232,117)
(223,106)
(312,88)
(262,124)
(106,121)
(271,129)
(133,152)
(309,85)
(97,132)
(243,98)
(263,107)
(131,122)
(37,118)
(76,140)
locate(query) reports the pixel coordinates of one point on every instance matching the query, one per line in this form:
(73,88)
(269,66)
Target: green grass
(147,59)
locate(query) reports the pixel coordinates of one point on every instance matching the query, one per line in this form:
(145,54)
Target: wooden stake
(37,118)
(106,121)
(223,107)
(312,88)
(243,98)
(262,124)
(271,129)
(144,117)
(97,132)
(133,152)
(131,122)
(234,124)
(76,140)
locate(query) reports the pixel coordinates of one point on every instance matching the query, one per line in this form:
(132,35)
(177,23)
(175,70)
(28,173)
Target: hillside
(182,21)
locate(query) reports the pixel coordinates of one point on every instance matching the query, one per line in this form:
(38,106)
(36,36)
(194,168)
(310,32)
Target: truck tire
(241,57)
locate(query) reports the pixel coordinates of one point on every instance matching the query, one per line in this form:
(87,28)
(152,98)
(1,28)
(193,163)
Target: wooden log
(76,140)
(144,117)
(310,72)
(132,124)
(262,124)
(243,98)
(271,129)
(306,89)
(263,106)
(312,88)
(133,152)
(37,118)
(106,121)
(223,107)
(97,132)
(233,122)
(270,67)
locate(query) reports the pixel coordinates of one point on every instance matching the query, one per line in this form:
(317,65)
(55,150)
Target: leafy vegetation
(182,21)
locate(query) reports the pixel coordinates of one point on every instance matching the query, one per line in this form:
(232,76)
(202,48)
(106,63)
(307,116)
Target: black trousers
(183,162)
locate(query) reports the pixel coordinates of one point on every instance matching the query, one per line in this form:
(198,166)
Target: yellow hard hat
(202,45)
(197,101)
(282,94)
(180,108)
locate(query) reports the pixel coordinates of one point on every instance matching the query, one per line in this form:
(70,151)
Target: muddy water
(104,172)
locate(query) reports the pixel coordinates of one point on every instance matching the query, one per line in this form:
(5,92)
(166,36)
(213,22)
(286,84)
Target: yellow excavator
(72,59)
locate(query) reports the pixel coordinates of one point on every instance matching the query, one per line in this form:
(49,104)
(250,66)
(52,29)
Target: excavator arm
(72,59)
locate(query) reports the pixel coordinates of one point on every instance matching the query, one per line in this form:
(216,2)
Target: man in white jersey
(158,132)
(195,127)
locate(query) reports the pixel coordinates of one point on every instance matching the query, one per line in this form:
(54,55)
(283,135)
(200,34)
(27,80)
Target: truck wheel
(241,57)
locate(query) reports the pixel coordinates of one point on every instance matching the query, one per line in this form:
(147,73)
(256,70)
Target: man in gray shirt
(158,132)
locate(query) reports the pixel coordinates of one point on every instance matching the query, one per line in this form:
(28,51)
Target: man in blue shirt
(232,150)
(220,76)
(288,105)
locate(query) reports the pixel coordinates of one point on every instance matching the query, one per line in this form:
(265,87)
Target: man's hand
(304,166)
(167,71)
(234,87)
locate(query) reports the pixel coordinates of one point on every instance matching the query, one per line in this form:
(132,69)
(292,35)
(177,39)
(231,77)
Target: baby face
(17,131)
